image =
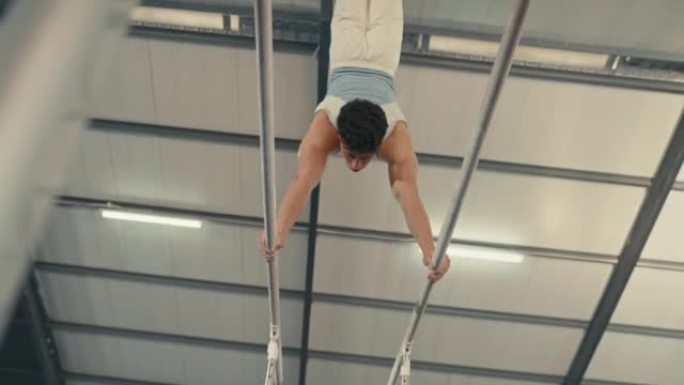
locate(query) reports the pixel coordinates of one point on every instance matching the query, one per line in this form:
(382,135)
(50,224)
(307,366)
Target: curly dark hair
(362,125)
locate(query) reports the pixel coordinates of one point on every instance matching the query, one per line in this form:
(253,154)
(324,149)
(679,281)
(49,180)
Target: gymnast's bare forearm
(415,215)
(311,164)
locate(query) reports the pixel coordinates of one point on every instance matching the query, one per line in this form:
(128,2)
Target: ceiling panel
(623,26)
(555,124)
(651,299)
(537,122)
(441,339)
(219,252)
(204,86)
(540,286)
(638,359)
(344,373)
(122,86)
(162,308)
(125,357)
(664,241)
(504,208)
(626,26)
(174,172)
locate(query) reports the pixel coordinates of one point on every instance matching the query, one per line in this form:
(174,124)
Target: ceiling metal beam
(108,380)
(323,64)
(346,300)
(211,136)
(43,341)
(638,235)
(317,354)
(359,233)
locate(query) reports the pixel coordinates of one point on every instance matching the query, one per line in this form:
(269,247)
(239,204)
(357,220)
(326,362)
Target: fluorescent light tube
(522,52)
(155,219)
(177,17)
(234,23)
(483,253)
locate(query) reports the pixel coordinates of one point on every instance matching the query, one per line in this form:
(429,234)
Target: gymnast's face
(355,161)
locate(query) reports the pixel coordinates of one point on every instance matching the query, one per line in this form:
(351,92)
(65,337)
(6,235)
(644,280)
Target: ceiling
(626,27)
(566,165)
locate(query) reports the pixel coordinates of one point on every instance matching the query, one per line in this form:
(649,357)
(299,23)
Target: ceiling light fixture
(525,53)
(483,253)
(177,17)
(147,218)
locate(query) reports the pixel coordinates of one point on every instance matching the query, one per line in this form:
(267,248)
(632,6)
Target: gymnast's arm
(398,151)
(318,142)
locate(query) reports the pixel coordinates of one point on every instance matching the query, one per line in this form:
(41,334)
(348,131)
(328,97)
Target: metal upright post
(263,18)
(500,70)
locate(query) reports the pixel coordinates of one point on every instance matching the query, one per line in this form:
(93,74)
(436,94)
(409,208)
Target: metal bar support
(629,256)
(263,17)
(323,64)
(502,66)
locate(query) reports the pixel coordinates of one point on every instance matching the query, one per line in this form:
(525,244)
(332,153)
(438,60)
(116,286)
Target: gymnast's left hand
(437,274)
(270,254)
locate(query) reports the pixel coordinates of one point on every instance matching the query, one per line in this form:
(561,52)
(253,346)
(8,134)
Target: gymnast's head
(361,125)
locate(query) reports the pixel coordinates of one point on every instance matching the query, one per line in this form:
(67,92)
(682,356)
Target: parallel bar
(502,65)
(348,300)
(48,356)
(323,64)
(358,233)
(451,161)
(41,92)
(263,18)
(317,354)
(634,244)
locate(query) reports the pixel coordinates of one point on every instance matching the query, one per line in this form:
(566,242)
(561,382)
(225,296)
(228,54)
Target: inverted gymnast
(360,118)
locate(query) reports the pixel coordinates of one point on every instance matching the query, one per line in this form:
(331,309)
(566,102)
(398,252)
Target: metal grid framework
(658,188)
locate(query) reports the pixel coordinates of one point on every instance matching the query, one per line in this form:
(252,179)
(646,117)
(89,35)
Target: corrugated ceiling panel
(161,308)
(345,373)
(537,122)
(163,361)
(175,172)
(444,339)
(652,299)
(504,208)
(541,286)
(217,252)
(638,359)
(547,123)
(627,25)
(205,86)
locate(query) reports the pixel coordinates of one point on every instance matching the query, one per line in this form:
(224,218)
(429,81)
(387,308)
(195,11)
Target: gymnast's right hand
(281,239)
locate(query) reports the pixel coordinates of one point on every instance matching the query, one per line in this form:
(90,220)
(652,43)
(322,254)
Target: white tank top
(350,83)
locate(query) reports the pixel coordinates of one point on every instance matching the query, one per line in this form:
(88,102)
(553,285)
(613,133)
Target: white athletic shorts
(367,34)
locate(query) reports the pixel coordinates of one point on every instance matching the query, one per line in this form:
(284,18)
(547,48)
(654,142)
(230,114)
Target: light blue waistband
(349,83)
